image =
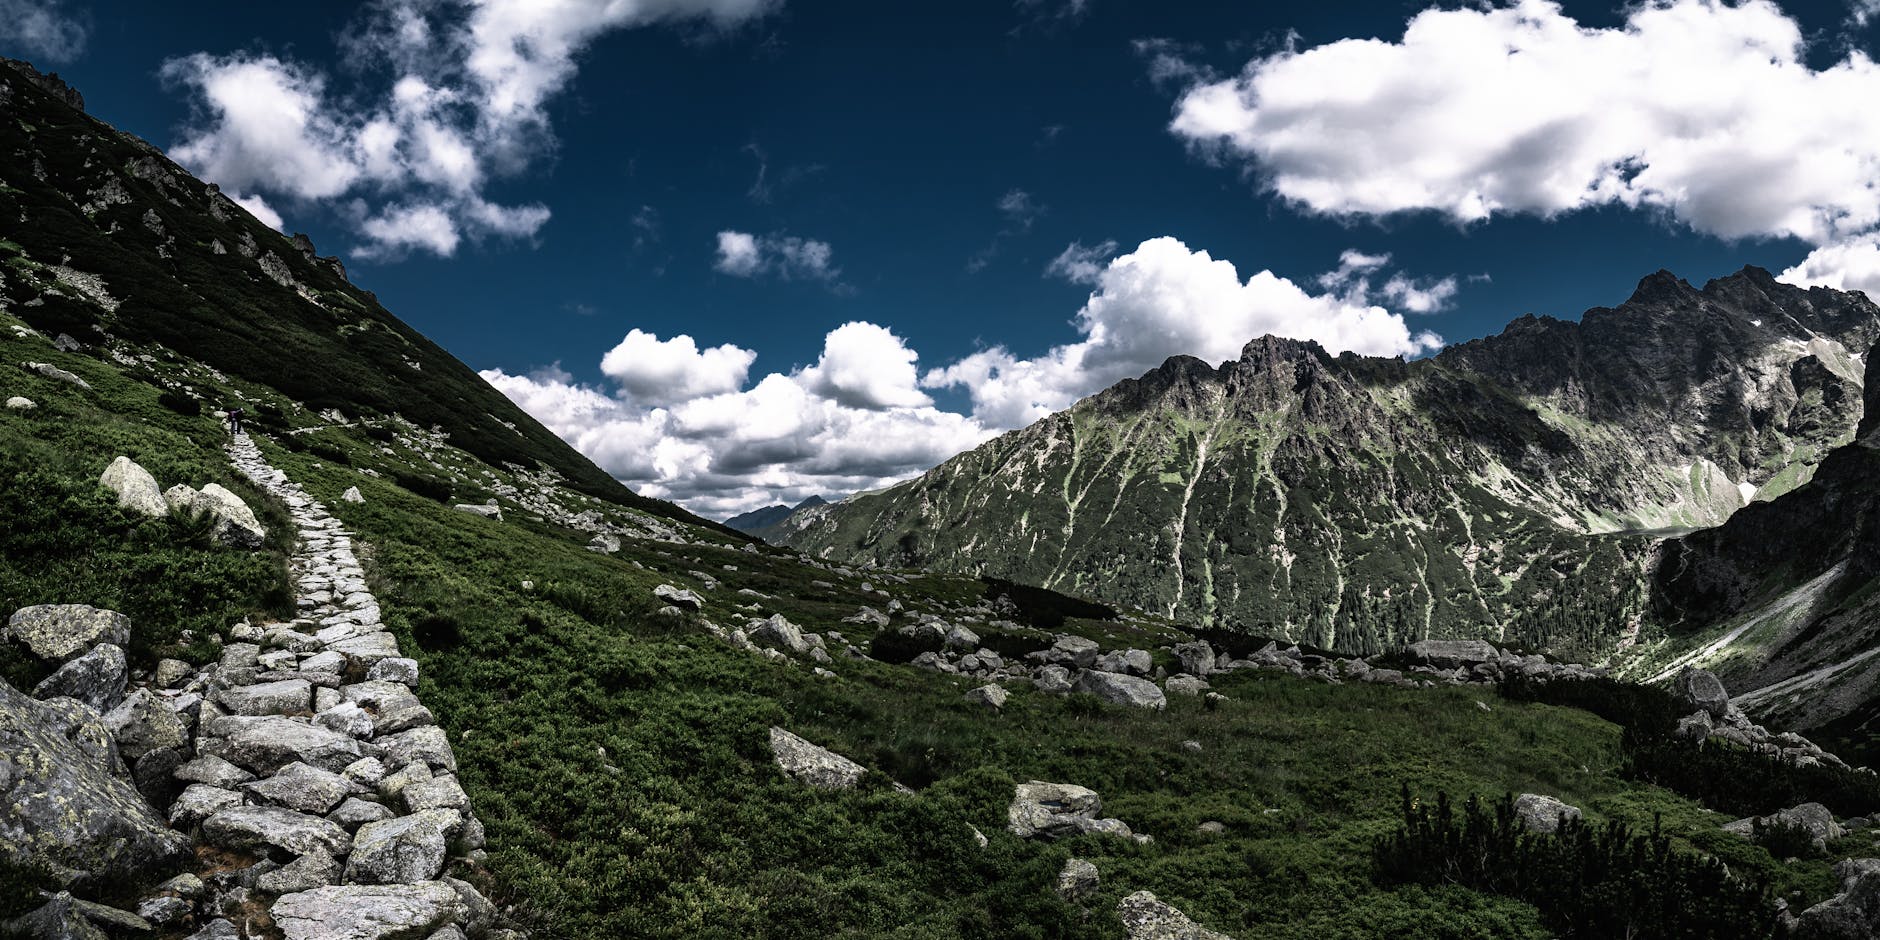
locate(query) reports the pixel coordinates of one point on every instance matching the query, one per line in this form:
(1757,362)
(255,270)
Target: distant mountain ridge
(1501,488)
(758,521)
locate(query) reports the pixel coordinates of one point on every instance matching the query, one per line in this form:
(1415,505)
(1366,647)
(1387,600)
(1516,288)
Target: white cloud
(866,366)
(1163,300)
(1705,111)
(656,372)
(43,30)
(1019,208)
(1853,264)
(1351,281)
(741,254)
(682,426)
(451,96)
(1079,264)
(1862,12)
(259,208)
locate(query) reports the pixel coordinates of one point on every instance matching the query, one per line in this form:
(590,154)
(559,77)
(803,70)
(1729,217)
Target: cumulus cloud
(741,254)
(259,208)
(681,422)
(660,373)
(449,97)
(1705,111)
(1351,281)
(43,30)
(1162,300)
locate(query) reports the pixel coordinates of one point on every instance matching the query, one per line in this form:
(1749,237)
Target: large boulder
(678,597)
(67,803)
(1045,810)
(304,788)
(818,767)
(1197,658)
(1145,917)
(1077,651)
(1704,690)
(1813,818)
(1127,662)
(136,489)
(1122,690)
(96,678)
(779,632)
(59,632)
(368,912)
(1542,813)
(235,524)
(405,850)
(1854,914)
(1077,879)
(1449,654)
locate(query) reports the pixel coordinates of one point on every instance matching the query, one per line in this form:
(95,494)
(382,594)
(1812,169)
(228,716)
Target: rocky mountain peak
(1662,287)
(49,82)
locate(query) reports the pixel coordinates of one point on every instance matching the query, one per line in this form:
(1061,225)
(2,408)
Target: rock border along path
(311,747)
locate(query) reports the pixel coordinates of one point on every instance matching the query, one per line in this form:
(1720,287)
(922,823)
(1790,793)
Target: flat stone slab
(367,912)
(268,698)
(243,827)
(59,632)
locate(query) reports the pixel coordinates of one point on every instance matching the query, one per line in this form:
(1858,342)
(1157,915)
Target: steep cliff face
(1781,600)
(1506,487)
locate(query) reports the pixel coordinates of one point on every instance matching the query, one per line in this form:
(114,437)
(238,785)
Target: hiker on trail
(234,420)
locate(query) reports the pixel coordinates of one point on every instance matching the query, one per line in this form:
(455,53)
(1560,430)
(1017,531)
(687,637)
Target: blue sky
(887,231)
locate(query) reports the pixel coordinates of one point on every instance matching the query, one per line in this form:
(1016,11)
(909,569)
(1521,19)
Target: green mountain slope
(1493,490)
(618,750)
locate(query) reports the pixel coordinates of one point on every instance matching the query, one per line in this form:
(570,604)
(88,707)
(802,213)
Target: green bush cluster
(1586,880)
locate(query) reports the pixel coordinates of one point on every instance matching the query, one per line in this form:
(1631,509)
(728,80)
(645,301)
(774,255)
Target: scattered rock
(1122,690)
(487,511)
(352,495)
(780,632)
(55,373)
(1186,684)
(990,695)
(1704,690)
(1197,658)
(17,403)
(818,767)
(1125,662)
(1450,654)
(213,771)
(1077,880)
(1053,679)
(1147,918)
(136,489)
(678,597)
(235,524)
(1817,820)
(1054,810)
(59,632)
(1542,813)
(96,678)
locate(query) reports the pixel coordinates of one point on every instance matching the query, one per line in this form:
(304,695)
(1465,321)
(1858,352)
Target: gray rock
(213,771)
(356,812)
(1854,914)
(346,718)
(678,597)
(392,787)
(960,638)
(136,489)
(19,403)
(172,673)
(59,632)
(141,723)
(867,616)
(1077,651)
(303,788)
(96,678)
(990,695)
(312,870)
(57,919)
(396,669)
(1704,690)
(486,510)
(55,373)
(66,804)
(1542,813)
(437,793)
(781,633)
(155,775)
(368,648)
(1815,819)
(1145,917)
(1053,679)
(164,909)
(267,744)
(406,850)
(1125,662)
(1054,810)
(352,495)
(217,929)
(235,524)
(367,912)
(1077,879)
(246,827)
(1697,724)
(428,744)
(198,802)
(808,764)
(1449,654)
(1185,684)
(366,771)
(1122,690)
(286,697)
(1197,658)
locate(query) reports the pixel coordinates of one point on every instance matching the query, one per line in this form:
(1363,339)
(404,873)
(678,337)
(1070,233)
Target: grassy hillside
(618,757)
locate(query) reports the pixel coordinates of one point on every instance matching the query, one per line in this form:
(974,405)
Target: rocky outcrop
(1854,913)
(69,800)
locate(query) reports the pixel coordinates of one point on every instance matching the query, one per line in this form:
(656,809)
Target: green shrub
(419,484)
(180,403)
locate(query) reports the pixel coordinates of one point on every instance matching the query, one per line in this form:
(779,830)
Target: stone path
(311,754)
